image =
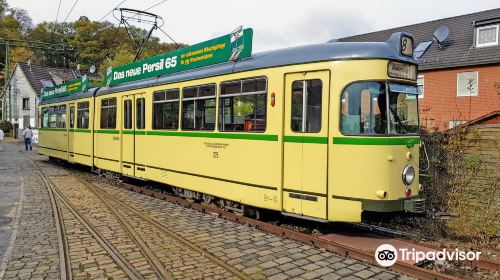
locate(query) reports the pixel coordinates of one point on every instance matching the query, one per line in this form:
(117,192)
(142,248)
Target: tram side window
(45,117)
(127,114)
(61,116)
(198,107)
(108,113)
(364,109)
(140,113)
(306,105)
(242,105)
(52,117)
(166,109)
(71,117)
(82,120)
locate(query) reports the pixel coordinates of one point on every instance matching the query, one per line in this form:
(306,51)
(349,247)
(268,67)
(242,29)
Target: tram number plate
(216,155)
(406,46)
(116,138)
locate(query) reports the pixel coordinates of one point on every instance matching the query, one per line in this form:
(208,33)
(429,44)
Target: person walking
(27,135)
(1,139)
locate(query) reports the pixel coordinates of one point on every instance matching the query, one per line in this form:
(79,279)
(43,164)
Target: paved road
(35,250)
(10,194)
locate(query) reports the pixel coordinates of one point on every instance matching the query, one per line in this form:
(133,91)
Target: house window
(26,103)
(487,36)
(420,86)
(467,84)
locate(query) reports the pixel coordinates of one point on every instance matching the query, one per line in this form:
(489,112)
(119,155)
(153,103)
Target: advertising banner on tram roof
(229,47)
(79,85)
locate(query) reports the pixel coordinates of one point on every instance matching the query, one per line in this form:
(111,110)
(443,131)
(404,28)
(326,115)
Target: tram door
(128,136)
(71,132)
(133,126)
(306,144)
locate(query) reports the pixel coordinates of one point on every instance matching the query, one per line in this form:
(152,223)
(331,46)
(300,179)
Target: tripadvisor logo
(387,255)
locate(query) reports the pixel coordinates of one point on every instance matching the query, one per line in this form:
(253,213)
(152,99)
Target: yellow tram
(321,132)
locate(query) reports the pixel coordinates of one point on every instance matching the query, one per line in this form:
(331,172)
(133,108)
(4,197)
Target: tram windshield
(379,108)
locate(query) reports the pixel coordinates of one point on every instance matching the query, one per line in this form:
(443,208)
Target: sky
(276,23)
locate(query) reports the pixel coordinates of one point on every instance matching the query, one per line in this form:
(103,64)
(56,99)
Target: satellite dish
(92,69)
(441,34)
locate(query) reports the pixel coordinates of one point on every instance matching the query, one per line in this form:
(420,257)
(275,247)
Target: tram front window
(379,108)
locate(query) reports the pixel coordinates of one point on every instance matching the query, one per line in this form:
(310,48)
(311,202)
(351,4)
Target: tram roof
(330,51)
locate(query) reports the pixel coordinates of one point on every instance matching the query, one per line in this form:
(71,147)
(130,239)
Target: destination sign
(65,89)
(233,46)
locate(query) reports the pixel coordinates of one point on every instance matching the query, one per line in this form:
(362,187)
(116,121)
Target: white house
(26,82)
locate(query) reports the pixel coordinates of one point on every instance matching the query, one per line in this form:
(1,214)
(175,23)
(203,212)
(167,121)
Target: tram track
(119,203)
(351,250)
(116,207)
(151,257)
(64,254)
(65,273)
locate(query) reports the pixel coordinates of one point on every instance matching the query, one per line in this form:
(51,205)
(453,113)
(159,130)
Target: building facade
(22,97)
(459,77)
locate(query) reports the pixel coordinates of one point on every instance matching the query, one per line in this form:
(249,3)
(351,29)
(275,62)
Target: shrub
(458,180)
(6,126)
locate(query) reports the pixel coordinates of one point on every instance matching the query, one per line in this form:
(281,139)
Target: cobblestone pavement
(257,254)
(260,255)
(34,252)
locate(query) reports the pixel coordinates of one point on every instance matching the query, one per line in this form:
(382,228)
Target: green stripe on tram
(82,130)
(52,129)
(107,131)
(79,130)
(306,139)
(262,137)
(409,142)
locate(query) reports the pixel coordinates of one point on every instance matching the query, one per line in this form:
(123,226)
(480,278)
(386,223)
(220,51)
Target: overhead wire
(176,44)
(58,9)
(112,10)
(74,4)
(171,39)
(161,2)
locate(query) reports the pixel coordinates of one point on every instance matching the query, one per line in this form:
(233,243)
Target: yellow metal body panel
(305,155)
(356,172)
(340,210)
(54,141)
(127,138)
(71,131)
(70,143)
(255,168)
(140,139)
(107,147)
(82,137)
(243,167)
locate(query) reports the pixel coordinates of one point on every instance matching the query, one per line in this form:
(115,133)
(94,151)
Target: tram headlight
(408,174)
